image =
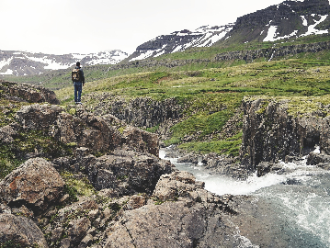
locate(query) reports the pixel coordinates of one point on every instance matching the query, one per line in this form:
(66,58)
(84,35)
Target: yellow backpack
(76,75)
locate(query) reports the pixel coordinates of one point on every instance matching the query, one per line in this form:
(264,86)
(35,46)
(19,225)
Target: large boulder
(28,92)
(87,130)
(18,231)
(38,117)
(125,172)
(180,213)
(175,185)
(35,184)
(141,140)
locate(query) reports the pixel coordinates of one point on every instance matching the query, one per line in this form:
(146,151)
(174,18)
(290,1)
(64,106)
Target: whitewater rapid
(300,193)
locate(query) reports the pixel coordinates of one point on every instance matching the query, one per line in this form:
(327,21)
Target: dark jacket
(81,74)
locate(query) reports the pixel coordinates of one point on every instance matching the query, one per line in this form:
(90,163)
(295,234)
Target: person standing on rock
(78,80)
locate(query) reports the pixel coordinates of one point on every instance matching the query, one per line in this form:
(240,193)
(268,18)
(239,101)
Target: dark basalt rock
(18,231)
(35,184)
(28,93)
(316,159)
(270,133)
(142,112)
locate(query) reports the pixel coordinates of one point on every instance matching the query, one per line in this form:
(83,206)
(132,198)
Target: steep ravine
(273,129)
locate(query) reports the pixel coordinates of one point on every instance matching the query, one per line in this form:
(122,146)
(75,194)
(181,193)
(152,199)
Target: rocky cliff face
(271,53)
(271,132)
(285,20)
(141,112)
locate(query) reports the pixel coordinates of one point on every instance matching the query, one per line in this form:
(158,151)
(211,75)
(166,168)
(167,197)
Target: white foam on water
(301,193)
(221,184)
(306,206)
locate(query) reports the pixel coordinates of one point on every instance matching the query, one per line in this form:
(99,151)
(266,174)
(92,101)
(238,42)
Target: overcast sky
(85,26)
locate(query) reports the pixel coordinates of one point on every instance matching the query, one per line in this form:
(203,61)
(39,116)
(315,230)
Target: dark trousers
(77,91)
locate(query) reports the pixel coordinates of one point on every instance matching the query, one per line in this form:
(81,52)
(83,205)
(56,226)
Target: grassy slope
(213,95)
(61,78)
(212,92)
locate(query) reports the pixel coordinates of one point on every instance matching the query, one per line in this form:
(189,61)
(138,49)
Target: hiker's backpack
(76,75)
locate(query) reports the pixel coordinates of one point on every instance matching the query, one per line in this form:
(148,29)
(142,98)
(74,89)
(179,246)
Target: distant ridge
(20,63)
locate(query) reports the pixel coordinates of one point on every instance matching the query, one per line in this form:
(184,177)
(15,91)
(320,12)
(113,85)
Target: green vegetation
(212,95)
(77,186)
(210,91)
(229,146)
(10,244)
(27,143)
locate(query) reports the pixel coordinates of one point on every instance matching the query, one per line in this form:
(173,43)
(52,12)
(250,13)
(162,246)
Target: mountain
(20,63)
(285,20)
(178,41)
(289,19)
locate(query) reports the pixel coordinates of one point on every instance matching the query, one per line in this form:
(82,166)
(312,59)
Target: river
(299,193)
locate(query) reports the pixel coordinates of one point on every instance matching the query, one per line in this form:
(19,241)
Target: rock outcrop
(141,112)
(35,184)
(18,231)
(271,132)
(125,172)
(84,129)
(274,52)
(29,93)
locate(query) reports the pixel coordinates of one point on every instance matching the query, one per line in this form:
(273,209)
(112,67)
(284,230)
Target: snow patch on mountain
(273,35)
(26,63)
(312,28)
(8,72)
(204,36)
(107,57)
(5,62)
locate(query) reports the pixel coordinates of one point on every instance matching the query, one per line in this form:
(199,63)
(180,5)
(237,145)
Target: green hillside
(211,91)
(61,78)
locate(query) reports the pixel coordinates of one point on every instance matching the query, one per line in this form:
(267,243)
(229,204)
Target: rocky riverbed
(94,181)
(88,180)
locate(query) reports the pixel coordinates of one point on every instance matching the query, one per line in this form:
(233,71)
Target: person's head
(78,64)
